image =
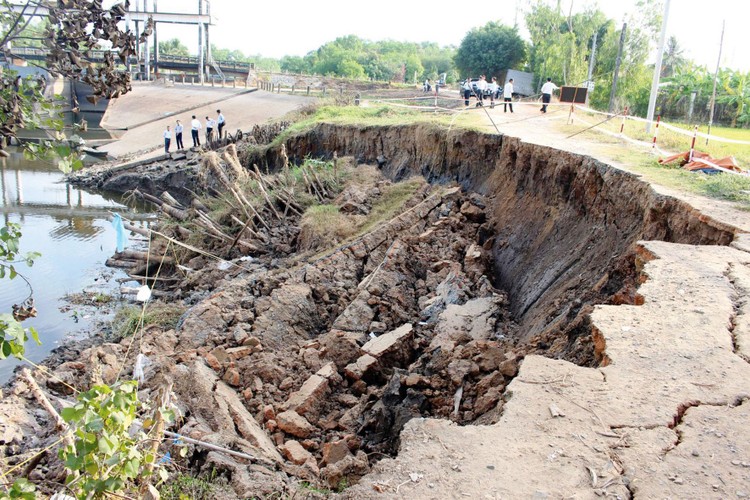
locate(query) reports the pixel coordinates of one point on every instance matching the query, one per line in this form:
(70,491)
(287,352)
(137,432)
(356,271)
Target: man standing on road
(221,122)
(195,126)
(547,90)
(209,129)
(178,135)
(508,96)
(167,139)
(481,89)
(466,90)
(494,89)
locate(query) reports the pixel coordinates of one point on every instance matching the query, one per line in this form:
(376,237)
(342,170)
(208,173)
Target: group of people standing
(492,90)
(195,128)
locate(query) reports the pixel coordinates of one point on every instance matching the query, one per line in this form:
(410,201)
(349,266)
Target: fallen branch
(36,391)
(214,447)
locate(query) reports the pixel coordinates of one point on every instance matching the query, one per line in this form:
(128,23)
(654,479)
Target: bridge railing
(98,55)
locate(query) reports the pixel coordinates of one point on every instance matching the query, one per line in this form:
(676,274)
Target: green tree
(561,45)
(736,95)
(173,47)
(673,59)
(295,64)
(490,49)
(634,82)
(102,451)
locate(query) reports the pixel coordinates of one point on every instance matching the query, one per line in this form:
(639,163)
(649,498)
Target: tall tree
(673,59)
(561,44)
(490,49)
(173,47)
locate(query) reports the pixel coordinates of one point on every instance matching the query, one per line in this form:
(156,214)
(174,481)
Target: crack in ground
(737,305)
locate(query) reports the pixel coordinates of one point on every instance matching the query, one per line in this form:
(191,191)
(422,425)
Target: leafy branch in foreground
(107,456)
(13,336)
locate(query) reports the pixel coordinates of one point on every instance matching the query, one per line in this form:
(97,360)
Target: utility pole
(716,75)
(147,52)
(200,44)
(592,57)
(617,69)
(156,48)
(657,69)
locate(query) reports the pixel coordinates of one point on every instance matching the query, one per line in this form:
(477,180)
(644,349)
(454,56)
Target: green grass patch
(128,319)
(391,202)
(371,115)
(673,141)
(186,487)
(324,226)
(729,187)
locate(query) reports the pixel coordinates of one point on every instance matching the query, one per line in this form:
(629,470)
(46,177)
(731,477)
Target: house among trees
(523,83)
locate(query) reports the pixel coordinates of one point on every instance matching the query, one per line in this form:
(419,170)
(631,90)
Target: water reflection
(71,228)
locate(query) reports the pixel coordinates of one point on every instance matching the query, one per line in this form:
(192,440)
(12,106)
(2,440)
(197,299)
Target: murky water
(71,228)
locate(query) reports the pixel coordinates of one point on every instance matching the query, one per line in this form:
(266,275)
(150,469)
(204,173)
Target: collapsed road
(530,322)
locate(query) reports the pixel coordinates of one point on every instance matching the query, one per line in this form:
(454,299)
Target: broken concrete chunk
(387,342)
(235,353)
(341,347)
(472,212)
(308,396)
(509,367)
(221,355)
(358,369)
(232,377)
(293,423)
(327,371)
(357,316)
(335,451)
(295,452)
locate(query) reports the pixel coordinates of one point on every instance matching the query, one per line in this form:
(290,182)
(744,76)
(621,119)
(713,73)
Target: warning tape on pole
(656,132)
(673,128)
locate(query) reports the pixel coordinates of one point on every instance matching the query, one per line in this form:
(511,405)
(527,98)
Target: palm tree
(673,59)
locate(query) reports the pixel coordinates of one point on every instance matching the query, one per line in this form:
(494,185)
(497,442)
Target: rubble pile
(314,366)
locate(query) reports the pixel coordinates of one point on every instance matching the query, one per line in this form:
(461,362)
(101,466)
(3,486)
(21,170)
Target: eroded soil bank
(315,364)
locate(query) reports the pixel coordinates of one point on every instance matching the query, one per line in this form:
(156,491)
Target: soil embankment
(443,311)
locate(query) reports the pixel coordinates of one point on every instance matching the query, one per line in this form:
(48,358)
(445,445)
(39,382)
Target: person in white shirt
(466,91)
(494,89)
(481,89)
(221,122)
(210,124)
(167,139)
(508,96)
(178,135)
(547,90)
(195,126)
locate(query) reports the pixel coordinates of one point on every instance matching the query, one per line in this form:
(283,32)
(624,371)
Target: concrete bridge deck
(140,117)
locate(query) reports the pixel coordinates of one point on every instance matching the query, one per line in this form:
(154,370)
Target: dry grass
(324,226)
(128,319)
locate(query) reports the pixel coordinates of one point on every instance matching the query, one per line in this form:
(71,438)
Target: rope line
(32,457)
(49,373)
(668,126)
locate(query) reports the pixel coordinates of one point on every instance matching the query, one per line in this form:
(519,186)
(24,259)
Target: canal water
(71,228)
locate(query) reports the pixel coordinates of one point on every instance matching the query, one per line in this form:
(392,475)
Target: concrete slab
(387,342)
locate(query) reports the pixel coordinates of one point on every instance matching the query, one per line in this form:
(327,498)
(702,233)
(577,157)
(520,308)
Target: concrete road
(140,117)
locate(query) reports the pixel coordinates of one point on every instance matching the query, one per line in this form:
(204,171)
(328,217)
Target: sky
(296,27)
